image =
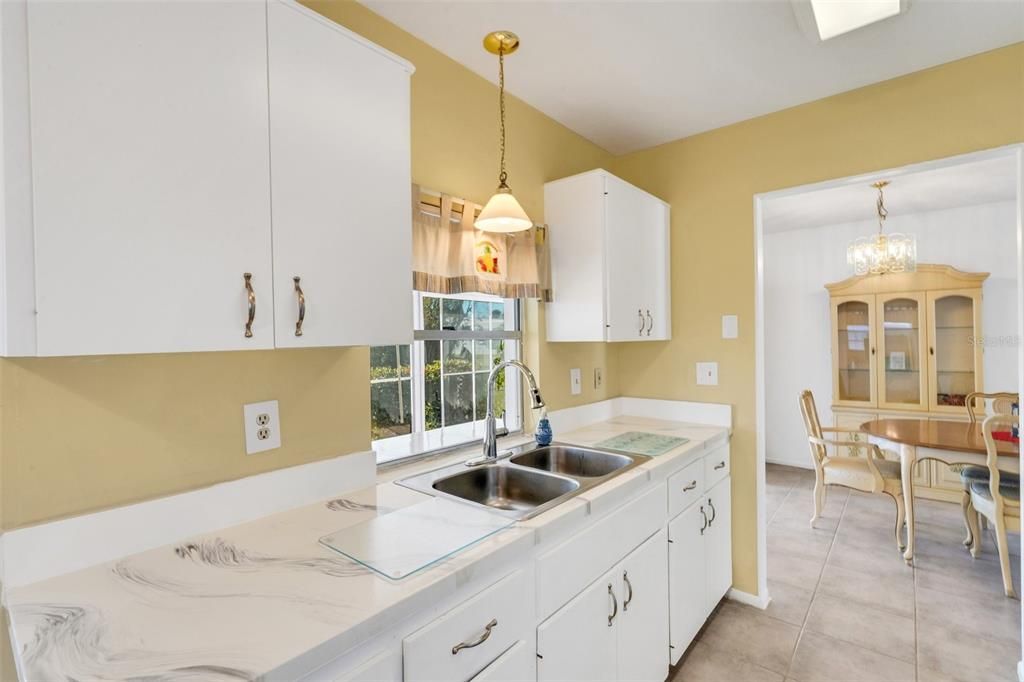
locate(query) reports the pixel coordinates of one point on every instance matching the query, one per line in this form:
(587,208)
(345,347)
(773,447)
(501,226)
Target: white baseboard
(798,464)
(1020,671)
(755,600)
(35,553)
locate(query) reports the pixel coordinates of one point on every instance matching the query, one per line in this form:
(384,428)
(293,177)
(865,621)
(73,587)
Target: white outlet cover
(575,381)
(250,415)
(707,373)
(730,327)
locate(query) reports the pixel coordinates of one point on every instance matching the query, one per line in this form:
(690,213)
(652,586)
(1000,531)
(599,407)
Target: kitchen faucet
(490,432)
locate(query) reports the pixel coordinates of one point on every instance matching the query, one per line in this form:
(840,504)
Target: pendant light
(881,254)
(502,213)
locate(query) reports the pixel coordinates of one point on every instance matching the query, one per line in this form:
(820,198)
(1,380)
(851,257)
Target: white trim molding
(35,553)
(759,601)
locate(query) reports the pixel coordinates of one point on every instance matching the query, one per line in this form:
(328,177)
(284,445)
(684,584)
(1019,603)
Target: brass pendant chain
(502,175)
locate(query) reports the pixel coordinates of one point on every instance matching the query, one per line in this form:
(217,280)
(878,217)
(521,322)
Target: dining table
(948,441)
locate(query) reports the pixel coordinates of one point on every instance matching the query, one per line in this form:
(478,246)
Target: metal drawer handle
(640,314)
(629,586)
(720,465)
(693,484)
(705,526)
(479,640)
(650,323)
(713,512)
(302,306)
(615,605)
(252,304)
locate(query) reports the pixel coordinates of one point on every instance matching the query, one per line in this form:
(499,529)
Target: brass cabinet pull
(302,306)
(479,640)
(650,323)
(252,304)
(713,512)
(629,586)
(720,465)
(615,605)
(693,484)
(706,524)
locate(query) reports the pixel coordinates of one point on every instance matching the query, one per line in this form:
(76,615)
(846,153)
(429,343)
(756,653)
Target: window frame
(422,443)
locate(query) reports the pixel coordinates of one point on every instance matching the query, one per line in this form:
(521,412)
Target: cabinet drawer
(508,604)
(716,466)
(685,487)
(518,664)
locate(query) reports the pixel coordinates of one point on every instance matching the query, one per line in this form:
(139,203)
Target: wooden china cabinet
(905,345)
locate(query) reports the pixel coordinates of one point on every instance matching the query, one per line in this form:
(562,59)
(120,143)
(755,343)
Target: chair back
(812,424)
(997,422)
(1002,403)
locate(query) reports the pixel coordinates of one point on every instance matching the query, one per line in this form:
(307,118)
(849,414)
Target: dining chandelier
(881,253)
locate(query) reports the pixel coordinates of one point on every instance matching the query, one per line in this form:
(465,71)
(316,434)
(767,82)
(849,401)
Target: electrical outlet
(575,381)
(598,378)
(262,427)
(707,373)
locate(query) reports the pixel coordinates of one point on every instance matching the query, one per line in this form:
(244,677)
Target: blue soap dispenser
(543,435)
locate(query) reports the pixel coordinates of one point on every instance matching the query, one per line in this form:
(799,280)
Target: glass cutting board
(640,443)
(409,539)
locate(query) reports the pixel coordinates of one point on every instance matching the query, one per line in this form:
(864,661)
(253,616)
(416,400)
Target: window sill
(404,449)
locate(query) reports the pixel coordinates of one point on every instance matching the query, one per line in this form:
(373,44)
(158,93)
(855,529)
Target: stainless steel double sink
(527,480)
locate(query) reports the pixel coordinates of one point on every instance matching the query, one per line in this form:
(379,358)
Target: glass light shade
(503,214)
(883,253)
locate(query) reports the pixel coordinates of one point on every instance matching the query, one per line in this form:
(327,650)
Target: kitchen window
(432,394)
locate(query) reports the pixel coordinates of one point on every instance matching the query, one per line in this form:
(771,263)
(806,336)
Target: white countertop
(254,599)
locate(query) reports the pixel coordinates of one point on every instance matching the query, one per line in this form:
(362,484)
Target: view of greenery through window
(454,373)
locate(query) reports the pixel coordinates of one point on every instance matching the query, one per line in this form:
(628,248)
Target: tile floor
(845,607)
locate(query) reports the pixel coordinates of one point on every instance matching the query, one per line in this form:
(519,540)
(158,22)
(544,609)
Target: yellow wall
(81,434)
(710,181)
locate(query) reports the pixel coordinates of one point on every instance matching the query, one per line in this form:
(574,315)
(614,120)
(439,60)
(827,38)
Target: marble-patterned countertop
(265,598)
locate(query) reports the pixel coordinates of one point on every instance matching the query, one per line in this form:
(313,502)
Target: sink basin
(505,488)
(580,462)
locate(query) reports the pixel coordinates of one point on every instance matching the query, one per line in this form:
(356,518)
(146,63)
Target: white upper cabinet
(150,176)
(340,184)
(610,257)
(156,152)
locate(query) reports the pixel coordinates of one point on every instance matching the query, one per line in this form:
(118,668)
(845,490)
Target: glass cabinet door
(853,349)
(954,355)
(902,379)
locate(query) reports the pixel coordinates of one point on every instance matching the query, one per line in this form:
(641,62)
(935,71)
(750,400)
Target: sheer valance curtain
(450,256)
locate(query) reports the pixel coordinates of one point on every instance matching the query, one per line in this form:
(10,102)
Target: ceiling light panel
(836,17)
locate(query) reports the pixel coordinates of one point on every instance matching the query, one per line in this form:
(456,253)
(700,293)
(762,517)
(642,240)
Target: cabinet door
(656,295)
(718,538)
(687,578)
(627,259)
(150,169)
(340,183)
(578,642)
(853,350)
(902,356)
(955,358)
(518,664)
(643,625)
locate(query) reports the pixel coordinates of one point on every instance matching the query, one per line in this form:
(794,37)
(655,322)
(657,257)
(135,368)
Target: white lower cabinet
(617,628)
(518,664)
(700,563)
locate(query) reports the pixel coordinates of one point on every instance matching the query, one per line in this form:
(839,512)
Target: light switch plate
(262,427)
(575,381)
(707,373)
(730,327)
(598,378)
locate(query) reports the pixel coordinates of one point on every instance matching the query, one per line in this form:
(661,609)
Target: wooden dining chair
(996,501)
(1001,403)
(869,474)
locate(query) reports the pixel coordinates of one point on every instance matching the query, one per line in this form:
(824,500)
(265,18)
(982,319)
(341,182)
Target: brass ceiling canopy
(501,42)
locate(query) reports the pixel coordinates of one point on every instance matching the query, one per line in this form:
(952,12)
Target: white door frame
(1015,151)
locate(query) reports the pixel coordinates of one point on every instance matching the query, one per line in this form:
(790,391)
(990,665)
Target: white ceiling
(968,184)
(630,75)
